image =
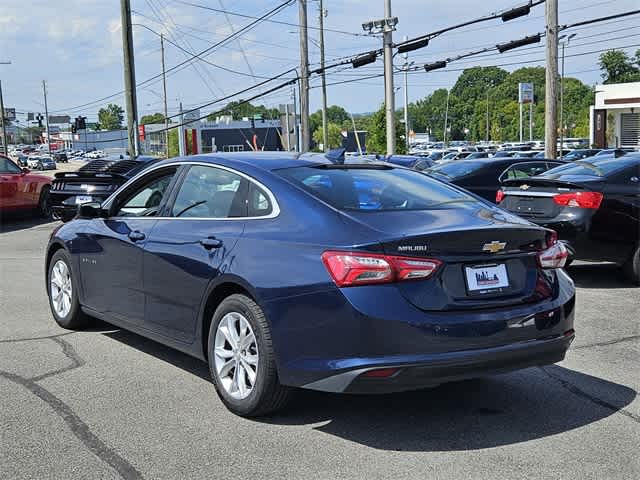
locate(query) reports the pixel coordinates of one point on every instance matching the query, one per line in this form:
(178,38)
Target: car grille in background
(109,166)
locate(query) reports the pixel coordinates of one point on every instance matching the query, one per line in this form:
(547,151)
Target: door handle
(211,243)
(137,236)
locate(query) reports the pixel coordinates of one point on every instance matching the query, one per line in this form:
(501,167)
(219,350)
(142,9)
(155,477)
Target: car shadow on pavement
(13,223)
(481,413)
(598,275)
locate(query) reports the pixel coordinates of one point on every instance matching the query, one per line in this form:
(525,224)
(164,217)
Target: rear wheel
(63,293)
(44,208)
(242,360)
(632,267)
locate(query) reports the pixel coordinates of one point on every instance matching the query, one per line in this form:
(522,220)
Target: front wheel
(63,293)
(632,267)
(44,207)
(242,360)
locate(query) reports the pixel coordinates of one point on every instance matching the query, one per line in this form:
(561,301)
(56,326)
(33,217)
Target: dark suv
(93,182)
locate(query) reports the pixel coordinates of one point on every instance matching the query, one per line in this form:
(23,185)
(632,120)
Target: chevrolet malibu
(284,273)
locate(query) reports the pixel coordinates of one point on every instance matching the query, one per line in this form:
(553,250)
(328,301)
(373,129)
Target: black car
(593,204)
(410,161)
(93,182)
(60,157)
(580,154)
(483,176)
(616,152)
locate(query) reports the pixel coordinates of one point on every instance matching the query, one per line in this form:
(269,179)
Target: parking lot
(106,403)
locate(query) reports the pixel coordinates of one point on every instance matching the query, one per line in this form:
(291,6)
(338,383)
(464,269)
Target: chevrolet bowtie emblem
(494,246)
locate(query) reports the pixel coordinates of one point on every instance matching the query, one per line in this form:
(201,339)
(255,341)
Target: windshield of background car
(375,189)
(592,167)
(457,169)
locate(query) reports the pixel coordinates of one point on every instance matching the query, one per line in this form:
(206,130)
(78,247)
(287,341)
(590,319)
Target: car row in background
(22,191)
(593,204)
(93,182)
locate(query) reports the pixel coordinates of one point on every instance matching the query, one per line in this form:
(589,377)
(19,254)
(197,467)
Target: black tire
(631,268)
(75,319)
(44,208)
(267,395)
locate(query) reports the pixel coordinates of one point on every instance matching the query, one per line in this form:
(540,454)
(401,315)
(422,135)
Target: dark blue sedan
(286,273)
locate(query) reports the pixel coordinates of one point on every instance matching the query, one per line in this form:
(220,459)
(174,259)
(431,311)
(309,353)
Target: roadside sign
(141,132)
(525,93)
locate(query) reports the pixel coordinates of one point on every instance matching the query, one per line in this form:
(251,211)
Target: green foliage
(110,118)
(335,114)
(150,119)
(619,67)
(240,109)
(334,135)
(174,148)
(377,134)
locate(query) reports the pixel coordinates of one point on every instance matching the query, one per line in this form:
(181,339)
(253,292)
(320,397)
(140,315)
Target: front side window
(145,200)
(209,192)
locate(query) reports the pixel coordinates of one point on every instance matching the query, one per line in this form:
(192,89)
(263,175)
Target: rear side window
(209,192)
(375,189)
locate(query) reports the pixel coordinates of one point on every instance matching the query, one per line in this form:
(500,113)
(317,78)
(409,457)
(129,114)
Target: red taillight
(579,199)
(356,268)
(555,255)
(499,196)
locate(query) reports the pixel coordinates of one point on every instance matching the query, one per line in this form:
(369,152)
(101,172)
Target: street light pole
(446,119)
(389,93)
(486,137)
(46,115)
(325,133)
(304,77)
(564,43)
(164,91)
(406,97)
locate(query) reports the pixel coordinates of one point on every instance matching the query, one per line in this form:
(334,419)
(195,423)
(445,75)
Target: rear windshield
(593,167)
(457,169)
(369,189)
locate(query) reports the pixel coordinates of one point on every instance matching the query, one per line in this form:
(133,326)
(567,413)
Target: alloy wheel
(236,355)
(61,288)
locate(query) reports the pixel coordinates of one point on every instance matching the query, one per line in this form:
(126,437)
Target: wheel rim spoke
(61,288)
(236,356)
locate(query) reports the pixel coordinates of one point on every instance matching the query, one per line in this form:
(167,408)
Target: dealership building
(615,117)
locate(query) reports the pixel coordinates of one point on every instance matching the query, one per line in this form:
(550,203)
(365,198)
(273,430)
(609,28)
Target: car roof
(267,161)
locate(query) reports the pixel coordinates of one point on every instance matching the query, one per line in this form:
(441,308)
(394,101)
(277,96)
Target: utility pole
(164,91)
(129,79)
(486,137)
(446,119)
(304,77)
(389,93)
(551,80)
(520,130)
(325,133)
(182,146)
(46,115)
(4,127)
(564,43)
(406,96)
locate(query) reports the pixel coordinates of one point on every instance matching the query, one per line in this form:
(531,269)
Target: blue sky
(76,46)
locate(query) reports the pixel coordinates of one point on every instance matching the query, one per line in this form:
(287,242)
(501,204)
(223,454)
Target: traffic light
(74,129)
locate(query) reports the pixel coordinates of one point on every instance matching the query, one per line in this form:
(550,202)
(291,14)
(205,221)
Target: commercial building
(615,117)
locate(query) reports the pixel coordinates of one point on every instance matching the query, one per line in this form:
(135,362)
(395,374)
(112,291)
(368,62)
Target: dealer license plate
(486,277)
(83,199)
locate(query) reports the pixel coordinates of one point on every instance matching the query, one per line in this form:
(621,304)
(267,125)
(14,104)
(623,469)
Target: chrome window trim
(275,207)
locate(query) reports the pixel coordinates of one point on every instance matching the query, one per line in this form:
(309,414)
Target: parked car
(21,190)
(61,157)
(409,161)
(476,155)
(41,162)
(273,269)
(542,154)
(453,156)
(593,204)
(580,154)
(616,152)
(483,176)
(93,182)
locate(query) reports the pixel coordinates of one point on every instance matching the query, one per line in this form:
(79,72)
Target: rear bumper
(455,366)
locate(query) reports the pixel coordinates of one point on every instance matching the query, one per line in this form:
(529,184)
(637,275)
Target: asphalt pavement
(106,403)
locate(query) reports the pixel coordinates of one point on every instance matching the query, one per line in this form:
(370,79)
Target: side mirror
(90,210)
(25,170)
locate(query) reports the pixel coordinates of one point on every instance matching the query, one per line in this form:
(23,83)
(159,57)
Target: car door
(10,183)
(110,252)
(191,246)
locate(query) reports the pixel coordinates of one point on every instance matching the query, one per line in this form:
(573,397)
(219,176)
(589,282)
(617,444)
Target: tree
(240,109)
(110,118)
(377,134)
(150,119)
(335,114)
(619,67)
(334,135)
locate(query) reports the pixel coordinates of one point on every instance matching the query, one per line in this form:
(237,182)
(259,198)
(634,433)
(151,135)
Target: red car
(21,190)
